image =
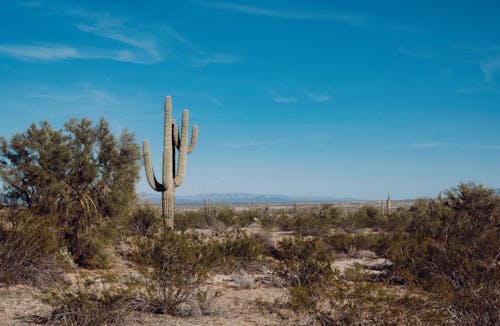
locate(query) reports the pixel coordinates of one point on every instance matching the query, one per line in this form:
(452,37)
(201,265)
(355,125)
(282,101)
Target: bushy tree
(81,176)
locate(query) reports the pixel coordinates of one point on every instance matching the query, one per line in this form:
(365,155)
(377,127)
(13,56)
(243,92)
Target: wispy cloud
(197,56)
(354,20)
(216,58)
(474,90)
(318,97)
(490,68)
(481,147)
(284,99)
(76,94)
(431,145)
(49,52)
(247,144)
(141,47)
(128,40)
(419,53)
(130,44)
(61,52)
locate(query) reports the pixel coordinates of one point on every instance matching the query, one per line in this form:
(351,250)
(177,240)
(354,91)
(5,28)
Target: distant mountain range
(242,198)
(246,198)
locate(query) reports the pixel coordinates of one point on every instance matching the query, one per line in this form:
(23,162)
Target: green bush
(206,217)
(145,220)
(190,219)
(317,220)
(174,266)
(376,242)
(451,251)
(237,250)
(305,264)
(213,214)
(248,216)
(355,301)
(398,221)
(367,217)
(30,255)
(88,248)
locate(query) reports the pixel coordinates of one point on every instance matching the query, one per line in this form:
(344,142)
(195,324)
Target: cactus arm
(181,166)
(167,145)
(175,134)
(194,139)
(149,168)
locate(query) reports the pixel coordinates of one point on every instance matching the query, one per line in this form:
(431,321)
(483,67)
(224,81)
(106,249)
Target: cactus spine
(172,176)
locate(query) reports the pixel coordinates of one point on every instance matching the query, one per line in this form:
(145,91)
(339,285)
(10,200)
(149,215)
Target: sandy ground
(20,305)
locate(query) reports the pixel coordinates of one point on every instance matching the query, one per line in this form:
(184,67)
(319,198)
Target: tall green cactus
(172,175)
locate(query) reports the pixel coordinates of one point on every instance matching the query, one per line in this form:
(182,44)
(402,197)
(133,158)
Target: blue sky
(347,98)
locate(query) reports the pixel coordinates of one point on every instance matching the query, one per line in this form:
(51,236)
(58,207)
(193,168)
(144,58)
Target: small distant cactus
(172,175)
(388,204)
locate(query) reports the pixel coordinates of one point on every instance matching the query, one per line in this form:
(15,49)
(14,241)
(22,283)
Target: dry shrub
(174,266)
(88,246)
(205,299)
(451,251)
(237,250)
(209,216)
(347,242)
(334,299)
(145,220)
(305,264)
(29,254)
(353,300)
(317,220)
(88,309)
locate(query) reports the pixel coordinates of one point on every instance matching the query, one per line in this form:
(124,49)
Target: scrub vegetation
(71,227)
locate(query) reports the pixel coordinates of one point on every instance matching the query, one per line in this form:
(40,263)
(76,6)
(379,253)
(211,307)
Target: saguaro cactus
(172,176)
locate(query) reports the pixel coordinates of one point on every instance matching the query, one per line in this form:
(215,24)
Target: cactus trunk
(172,176)
(168,208)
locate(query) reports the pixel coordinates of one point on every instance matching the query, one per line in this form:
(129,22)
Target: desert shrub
(190,219)
(329,213)
(237,250)
(397,221)
(248,216)
(145,220)
(85,308)
(306,224)
(224,214)
(209,216)
(305,264)
(316,221)
(268,221)
(174,266)
(346,242)
(334,299)
(29,254)
(88,248)
(205,300)
(213,214)
(353,300)
(451,251)
(367,217)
